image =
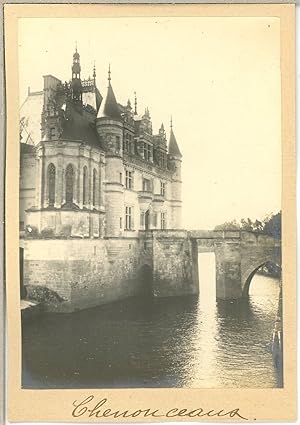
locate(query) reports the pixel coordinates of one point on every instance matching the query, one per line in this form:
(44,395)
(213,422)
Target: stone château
(91,169)
(96,169)
(100,205)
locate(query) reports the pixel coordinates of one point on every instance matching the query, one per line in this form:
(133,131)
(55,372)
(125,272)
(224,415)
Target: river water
(166,342)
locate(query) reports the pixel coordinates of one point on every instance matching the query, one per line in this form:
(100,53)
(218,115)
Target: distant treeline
(270,225)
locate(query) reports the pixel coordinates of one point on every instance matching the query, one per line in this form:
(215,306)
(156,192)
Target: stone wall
(85,273)
(175,270)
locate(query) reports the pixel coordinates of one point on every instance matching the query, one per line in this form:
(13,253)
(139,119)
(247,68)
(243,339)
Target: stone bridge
(70,274)
(239,254)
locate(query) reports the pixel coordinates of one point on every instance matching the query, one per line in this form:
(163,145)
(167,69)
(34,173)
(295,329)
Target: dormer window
(147,152)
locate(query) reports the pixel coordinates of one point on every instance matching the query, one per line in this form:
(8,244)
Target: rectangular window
(146,185)
(120,222)
(162,188)
(128,218)
(121,178)
(161,157)
(154,218)
(52,133)
(129,179)
(147,152)
(163,222)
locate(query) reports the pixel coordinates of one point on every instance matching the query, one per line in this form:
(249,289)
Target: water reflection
(167,342)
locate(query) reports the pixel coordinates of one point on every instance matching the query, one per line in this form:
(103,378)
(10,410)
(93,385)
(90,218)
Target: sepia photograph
(150,212)
(150,203)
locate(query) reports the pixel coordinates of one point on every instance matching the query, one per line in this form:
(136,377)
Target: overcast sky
(218,77)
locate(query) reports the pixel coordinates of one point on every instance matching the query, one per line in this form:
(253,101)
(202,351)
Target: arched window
(69,184)
(85,186)
(51,184)
(94,186)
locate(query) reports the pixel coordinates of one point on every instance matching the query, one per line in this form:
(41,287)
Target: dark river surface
(165,342)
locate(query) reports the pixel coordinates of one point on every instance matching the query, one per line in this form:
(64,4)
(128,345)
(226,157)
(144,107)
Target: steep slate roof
(109,107)
(77,127)
(173,146)
(99,99)
(26,148)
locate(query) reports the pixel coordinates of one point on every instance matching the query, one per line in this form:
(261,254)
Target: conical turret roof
(109,107)
(173,146)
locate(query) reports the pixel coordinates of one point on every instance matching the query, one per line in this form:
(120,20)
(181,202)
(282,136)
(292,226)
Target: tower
(174,160)
(76,80)
(110,130)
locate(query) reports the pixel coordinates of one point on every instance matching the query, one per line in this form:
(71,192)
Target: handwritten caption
(91,408)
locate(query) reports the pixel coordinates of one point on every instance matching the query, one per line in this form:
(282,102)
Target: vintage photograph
(150,202)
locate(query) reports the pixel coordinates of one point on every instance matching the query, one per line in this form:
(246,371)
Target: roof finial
(94,71)
(109,73)
(171,123)
(76,46)
(135,104)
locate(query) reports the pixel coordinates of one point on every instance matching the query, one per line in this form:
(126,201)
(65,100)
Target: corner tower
(110,130)
(174,161)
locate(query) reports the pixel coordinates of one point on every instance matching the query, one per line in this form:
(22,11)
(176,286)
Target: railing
(158,197)
(144,194)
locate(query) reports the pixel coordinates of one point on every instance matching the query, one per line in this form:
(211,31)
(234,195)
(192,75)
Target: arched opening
(267,268)
(94,187)
(85,186)
(51,184)
(263,291)
(69,184)
(147,220)
(146,279)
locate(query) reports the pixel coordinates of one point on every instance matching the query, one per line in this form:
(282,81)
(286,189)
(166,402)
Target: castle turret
(174,162)
(76,80)
(110,130)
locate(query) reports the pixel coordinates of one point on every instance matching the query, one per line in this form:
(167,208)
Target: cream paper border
(56,405)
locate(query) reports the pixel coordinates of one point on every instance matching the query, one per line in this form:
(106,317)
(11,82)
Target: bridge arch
(251,270)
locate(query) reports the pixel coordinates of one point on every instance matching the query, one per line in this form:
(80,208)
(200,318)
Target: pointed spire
(135,104)
(162,132)
(109,75)
(94,72)
(173,145)
(109,107)
(171,122)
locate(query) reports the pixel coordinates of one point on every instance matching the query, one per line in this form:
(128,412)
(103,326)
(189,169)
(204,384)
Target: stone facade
(93,178)
(96,169)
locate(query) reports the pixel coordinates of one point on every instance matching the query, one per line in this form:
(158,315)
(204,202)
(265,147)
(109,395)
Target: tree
(271,225)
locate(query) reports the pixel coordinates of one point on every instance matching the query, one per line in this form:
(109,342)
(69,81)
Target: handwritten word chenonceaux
(100,409)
